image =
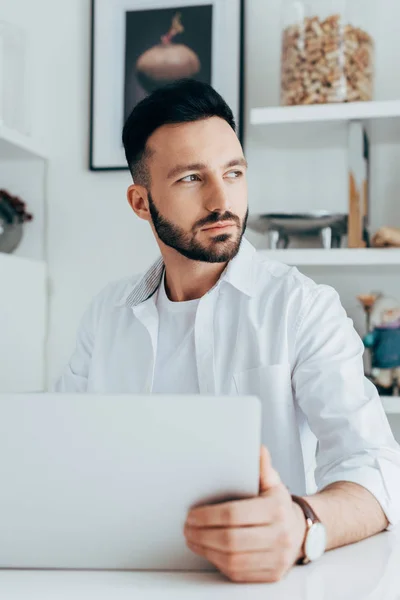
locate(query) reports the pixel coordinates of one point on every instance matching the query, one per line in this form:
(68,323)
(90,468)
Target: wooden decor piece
(358,152)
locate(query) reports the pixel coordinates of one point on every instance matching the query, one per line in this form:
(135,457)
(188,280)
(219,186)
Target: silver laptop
(105,482)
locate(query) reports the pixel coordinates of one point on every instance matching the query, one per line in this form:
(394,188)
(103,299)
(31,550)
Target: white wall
(93,237)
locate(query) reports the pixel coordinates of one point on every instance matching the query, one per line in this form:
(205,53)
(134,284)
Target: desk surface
(368,570)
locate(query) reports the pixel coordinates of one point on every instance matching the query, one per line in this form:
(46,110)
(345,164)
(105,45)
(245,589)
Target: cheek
(181,211)
(239,198)
(187,207)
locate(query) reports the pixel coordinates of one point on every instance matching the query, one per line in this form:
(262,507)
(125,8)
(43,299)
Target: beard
(221,248)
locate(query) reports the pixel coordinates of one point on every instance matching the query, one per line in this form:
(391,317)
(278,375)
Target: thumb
(269,478)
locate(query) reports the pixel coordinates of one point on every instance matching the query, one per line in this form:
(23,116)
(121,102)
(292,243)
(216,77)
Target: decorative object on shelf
(359,169)
(382,309)
(14,95)
(324,58)
(150,43)
(383,341)
(387,237)
(367,301)
(329,228)
(12,217)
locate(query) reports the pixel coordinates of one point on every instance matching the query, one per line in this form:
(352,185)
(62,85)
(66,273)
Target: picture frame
(136,46)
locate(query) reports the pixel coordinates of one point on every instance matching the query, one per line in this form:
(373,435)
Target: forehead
(210,141)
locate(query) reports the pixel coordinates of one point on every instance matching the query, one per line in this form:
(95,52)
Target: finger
(238,563)
(206,554)
(241,513)
(241,539)
(264,576)
(269,478)
(197,549)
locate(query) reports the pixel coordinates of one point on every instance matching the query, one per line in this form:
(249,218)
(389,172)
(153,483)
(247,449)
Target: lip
(219,226)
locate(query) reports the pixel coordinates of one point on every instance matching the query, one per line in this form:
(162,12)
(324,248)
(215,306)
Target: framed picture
(140,45)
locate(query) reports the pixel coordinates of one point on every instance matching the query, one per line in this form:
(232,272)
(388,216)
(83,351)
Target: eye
(188,179)
(234,174)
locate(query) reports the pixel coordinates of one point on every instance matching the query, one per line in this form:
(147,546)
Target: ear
(138,200)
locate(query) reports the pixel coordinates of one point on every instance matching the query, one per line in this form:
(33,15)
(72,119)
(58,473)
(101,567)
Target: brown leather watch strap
(311,518)
(306,508)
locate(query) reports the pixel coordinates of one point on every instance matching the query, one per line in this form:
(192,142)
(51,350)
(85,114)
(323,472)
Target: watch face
(315,545)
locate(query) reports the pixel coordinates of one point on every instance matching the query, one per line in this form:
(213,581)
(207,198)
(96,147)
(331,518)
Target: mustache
(217,218)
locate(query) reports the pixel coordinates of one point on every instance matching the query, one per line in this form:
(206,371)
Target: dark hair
(182,101)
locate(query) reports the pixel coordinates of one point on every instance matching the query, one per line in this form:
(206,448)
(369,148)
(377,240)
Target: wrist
(314,542)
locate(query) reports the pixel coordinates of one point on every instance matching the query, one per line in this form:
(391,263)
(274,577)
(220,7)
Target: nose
(217,199)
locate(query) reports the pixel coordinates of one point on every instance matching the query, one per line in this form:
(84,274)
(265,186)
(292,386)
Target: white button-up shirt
(267,330)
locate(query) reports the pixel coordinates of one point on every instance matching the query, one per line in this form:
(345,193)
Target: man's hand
(256,540)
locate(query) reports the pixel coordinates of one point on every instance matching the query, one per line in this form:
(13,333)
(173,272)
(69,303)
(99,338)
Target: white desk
(370,569)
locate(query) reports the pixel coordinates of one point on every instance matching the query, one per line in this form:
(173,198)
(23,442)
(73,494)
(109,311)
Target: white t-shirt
(175,369)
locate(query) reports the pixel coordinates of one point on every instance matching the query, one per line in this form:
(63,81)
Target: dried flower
(14,209)
(367,301)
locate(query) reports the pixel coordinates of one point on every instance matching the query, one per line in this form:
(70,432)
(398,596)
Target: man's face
(198,192)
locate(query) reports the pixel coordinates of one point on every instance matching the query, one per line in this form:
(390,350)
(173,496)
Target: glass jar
(324,57)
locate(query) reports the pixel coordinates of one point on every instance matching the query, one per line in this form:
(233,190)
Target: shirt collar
(240,270)
(239,273)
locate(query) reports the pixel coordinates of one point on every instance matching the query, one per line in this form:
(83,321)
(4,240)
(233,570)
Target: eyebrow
(241,161)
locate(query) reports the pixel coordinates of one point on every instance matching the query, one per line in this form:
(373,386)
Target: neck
(187,279)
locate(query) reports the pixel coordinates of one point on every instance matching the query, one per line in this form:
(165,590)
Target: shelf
(15,146)
(335,257)
(325,113)
(11,261)
(391,405)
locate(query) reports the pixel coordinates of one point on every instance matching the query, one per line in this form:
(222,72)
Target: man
(211,317)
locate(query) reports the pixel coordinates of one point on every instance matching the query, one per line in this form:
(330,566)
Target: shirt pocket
(279,428)
(272,383)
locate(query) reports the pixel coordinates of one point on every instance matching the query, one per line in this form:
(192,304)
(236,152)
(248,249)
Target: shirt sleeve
(342,407)
(75,376)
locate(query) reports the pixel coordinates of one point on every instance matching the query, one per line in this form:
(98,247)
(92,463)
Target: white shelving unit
(23,275)
(325,113)
(15,146)
(345,257)
(288,118)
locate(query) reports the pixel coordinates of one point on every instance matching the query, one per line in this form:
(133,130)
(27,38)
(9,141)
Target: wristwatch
(315,539)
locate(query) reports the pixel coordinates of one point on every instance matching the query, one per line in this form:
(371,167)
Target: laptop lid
(105,482)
